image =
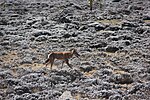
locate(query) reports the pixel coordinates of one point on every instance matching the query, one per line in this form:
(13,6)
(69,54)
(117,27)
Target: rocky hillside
(113,40)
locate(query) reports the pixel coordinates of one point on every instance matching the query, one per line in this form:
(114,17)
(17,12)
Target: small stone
(26,60)
(113,28)
(84,27)
(66,96)
(91,81)
(115,97)
(98,45)
(41,38)
(41,32)
(64,19)
(67,35)
(113,38)
(127,43)
(77,6)
(97,26)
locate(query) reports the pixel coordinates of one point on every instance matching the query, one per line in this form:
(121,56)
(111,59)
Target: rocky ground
(113,41)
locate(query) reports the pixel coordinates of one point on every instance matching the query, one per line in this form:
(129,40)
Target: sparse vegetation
(113,45)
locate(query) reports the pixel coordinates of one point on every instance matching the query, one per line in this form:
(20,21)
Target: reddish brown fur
(61,56)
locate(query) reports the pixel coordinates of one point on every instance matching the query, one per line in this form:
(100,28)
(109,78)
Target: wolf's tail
(49,56)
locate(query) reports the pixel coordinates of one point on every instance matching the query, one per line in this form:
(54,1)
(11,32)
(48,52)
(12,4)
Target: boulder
(19,90)
(86,68)
(123,78)
(111,49)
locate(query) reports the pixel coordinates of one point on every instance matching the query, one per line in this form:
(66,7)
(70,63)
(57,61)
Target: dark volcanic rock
(113,38)
(98,45)
(1,33)
(41,38)
(125,37)
(5,43)
(41,32)
(71,26)
(66,35)
(21,90)
(3,84)
(129,24)
(86,68)
(113,28)
(64,19)
(4,22)
(124,78)
(67,76)
(83,27)
(115,97)
(141,30)
(116,0)
(97,26)
(112,49)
